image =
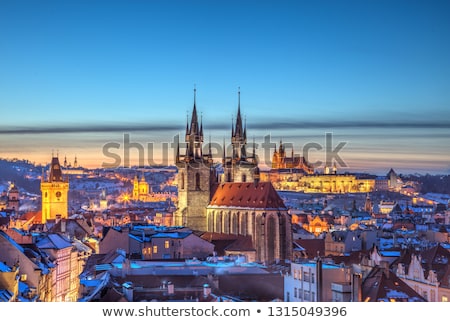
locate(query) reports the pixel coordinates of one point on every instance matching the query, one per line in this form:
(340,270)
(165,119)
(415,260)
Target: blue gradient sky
(75,75)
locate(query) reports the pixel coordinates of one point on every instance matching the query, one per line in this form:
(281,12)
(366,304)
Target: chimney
(356,288)
(319,276)
(128,290)
(63,225)
(206,290)
(170,288)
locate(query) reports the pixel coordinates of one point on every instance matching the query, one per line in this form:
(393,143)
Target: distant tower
(196,176)
(13,197)
(135,194)
(75,163)
(65,162)
(140,188)
(103,200)
(55,190)
(239,167)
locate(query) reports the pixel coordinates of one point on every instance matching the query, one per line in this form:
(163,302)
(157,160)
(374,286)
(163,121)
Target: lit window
(444,298)
(166,244)
(155,249)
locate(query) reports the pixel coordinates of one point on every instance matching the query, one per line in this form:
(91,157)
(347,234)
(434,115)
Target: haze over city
(76,75)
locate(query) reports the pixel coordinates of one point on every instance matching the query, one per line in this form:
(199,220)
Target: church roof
(260,195)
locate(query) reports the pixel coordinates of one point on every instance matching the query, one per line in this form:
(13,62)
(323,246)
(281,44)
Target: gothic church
(238,204)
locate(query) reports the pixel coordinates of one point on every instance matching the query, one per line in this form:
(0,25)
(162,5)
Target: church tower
(55,190)
(240,166)
(196,177)
(13,197)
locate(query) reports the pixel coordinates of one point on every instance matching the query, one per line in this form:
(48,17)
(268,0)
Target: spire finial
(195,93)
(239,97)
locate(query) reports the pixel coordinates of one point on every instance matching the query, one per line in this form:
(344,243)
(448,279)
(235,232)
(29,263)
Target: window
(197,181)
(166,244)
(444,298)
(244,178)
(295,292)
(155,249)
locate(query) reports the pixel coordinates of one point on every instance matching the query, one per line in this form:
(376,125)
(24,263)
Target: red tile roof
(35,216)
(247,195)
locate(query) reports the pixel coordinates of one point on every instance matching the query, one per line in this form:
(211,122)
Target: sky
(76,76)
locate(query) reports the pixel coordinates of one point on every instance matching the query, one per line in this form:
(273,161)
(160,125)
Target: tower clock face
(58,194)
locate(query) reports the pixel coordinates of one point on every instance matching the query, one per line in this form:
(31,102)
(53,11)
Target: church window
(244,178)
(197,181)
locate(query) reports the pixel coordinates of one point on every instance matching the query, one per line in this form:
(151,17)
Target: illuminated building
(240,204)
(143,192)
(281,161)
(335,183)
(318,224)
(55,189)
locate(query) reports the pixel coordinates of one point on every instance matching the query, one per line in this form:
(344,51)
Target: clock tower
(55,190)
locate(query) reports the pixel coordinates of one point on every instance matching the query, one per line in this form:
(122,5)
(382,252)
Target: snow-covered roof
(53,241)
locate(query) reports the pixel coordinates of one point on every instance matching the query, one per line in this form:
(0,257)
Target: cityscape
(135,168)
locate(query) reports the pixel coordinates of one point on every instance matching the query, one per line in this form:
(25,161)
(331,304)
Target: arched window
(197,181)
(244,178)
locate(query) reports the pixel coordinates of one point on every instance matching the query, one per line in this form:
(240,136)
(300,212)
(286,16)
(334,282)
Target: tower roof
(194,128)
(55,170)
(239,129)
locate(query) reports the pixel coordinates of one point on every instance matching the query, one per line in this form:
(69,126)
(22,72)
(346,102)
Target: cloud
(261,125)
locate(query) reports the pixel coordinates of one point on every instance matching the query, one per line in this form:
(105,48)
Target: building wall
(301,285)
(194,193)
(335,183)
(29,272)
(54,200)
(114,240)
(270,230)
(415,278)
(10,282)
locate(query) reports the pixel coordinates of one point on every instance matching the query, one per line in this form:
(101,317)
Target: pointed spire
(239,130)
(194,129)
